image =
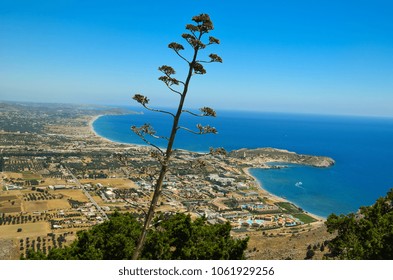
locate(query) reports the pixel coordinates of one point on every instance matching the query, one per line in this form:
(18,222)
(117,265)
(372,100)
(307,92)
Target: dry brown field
(98,199)
(72,194)
(7,197)
(28,230)
(111,182)
(11,175)
(273,246)
(10,204)
(53,181)
(43,205)
(16,193)
(31,176)
(10,209)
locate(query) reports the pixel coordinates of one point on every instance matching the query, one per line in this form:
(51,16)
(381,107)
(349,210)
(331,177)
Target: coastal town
(58,177)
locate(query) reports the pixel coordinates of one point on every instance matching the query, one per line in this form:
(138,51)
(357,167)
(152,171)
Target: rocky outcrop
(278,155)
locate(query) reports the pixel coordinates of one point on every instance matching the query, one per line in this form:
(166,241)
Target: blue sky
(305,56)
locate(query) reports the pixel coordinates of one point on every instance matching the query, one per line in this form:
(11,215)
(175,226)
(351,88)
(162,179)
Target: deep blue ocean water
(361,147)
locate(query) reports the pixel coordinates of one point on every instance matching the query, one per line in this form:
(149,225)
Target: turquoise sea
(361,147)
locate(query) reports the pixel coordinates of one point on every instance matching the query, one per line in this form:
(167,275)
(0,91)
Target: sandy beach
(260,186)
(92,120)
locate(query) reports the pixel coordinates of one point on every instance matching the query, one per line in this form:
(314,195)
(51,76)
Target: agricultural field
(53,182)
(119,183)
(14,175)
(27,175)
(71,194)
(24,230)
(10,204)
(38,206)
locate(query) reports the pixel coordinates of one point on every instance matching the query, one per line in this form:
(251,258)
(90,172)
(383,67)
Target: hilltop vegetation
(367,235)
(170,237)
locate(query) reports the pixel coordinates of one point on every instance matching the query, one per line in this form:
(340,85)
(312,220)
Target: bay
(361,147)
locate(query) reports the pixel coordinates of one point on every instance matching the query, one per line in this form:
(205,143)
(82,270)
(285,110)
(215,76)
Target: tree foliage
(367,235)
(181,238)
(171,237)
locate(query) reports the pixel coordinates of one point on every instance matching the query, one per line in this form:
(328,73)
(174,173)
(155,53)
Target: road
(98,207)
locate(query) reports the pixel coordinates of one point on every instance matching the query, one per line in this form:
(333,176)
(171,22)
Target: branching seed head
(206,129)
(175,46)
(199,69)
(169,81)
(213,40)
(167,70)
(204,22)
(141,99)
(145,129)
(193,41)
(215,58)
(208,112)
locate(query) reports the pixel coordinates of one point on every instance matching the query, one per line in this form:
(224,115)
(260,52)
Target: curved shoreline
(91,127)
(245,170)
(278,198)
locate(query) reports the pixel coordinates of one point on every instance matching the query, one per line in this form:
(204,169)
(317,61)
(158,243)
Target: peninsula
(58,177)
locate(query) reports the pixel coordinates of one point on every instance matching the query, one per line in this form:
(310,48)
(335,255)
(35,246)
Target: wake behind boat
(299,184)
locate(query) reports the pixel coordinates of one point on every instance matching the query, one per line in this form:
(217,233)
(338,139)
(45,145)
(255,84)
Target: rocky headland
(261,156)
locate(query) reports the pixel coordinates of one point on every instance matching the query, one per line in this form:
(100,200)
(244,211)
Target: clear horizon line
(245,110)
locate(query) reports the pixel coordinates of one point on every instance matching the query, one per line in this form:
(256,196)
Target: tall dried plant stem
(204,25)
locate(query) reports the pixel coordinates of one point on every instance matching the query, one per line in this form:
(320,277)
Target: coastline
(245,170)
(92,120)
(102,138)
(278,198)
